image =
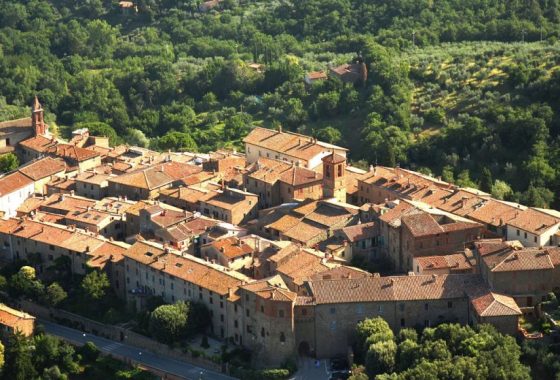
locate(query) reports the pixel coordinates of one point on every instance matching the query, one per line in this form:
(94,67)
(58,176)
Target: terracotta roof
(305,232)
(341,272)
(156,176)
(495,305)
(303,265)
(395,288)
(107,252)
(230,199)
(25,122)
(93,178)
(232,247)
(288,143)
(43,167)
(13,182)
(16,126)
(361,231)
(425,224)
(185,268)
(92,217)
(453,262)
(72,152)
(394,215)
(533,221)
(65,184)
(10,317)
(316,75)
(66,203)
(334,159)
(38,143)
(272,288)
(513,259)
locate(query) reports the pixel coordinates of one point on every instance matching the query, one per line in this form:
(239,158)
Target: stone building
(13,321)
(291,147)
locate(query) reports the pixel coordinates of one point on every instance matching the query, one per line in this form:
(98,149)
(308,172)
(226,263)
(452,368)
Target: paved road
(308,370)
(172,366)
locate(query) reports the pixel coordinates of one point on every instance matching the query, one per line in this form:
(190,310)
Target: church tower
(334,177)
(37,118)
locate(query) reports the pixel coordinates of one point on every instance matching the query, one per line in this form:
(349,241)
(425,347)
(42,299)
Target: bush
(265,374)
(89,352)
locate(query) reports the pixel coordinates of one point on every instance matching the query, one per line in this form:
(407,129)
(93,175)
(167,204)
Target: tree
(486,180)
(1,356)
(95,284)
(380,357)
(55,294)
(169,322)
(8,162)
(370,331)
(19,359)
(501,190)
(89,352)
(137,138)
(329,134)
(23,283)
(177,141)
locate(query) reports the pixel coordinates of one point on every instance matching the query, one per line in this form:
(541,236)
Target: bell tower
(37,118)
(334,177)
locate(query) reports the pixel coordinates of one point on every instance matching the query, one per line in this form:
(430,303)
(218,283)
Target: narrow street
(171,366)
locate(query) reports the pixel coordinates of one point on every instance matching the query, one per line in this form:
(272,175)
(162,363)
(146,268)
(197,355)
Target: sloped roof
(13,182)
(395,288)
(43,167)
(288,143)
(495,305)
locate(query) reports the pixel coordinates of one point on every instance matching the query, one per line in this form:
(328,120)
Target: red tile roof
(494,305)
(395,288)
(13,182)
(43,168)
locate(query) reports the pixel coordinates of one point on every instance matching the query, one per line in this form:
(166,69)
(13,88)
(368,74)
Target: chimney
(434,277)
(280,128)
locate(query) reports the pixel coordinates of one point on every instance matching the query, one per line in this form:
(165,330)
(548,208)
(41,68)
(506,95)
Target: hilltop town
(270,239)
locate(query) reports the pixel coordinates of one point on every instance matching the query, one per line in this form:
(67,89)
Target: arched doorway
(304,349)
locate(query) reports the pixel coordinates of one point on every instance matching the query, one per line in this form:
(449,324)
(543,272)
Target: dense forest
(468,90)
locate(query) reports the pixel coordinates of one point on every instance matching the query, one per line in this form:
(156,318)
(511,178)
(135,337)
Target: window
(51,247)
(427,323)
(402,322)
(221,317)
(262,332)
(449,304)
(247,312)
(249,329)
(517,232)
(262,309)
(525,234)
(282,337)
(333,310)
(425,306)
(235,324)
(303,311)
(401,306)
(535,239)
(281,313)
